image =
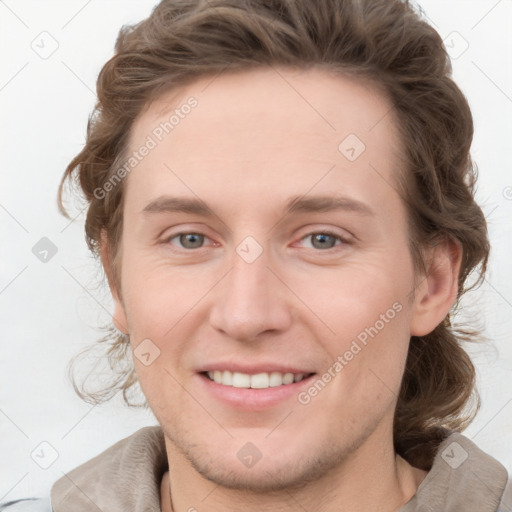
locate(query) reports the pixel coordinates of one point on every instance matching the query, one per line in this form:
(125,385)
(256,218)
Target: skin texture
(254,140)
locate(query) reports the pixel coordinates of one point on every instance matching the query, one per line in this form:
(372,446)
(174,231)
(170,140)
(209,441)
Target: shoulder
(27,505)
(126,473)
(505,504)
(462,477)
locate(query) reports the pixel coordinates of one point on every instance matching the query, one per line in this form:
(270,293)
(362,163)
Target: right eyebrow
(169,204)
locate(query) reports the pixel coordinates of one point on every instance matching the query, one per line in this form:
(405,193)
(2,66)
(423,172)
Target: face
(264,245)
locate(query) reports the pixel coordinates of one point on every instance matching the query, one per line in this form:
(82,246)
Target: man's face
(258,288)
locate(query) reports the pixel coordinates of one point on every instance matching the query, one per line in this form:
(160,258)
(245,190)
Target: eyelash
(343,240)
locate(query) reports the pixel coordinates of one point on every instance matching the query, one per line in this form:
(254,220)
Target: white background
(50,311)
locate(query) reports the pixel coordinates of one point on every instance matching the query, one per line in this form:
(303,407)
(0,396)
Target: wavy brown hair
(388,44)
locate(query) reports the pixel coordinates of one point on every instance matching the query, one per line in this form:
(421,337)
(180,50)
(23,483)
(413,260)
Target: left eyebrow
(300,204)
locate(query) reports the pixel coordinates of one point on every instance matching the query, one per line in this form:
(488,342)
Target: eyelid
(314,228)
(184,229)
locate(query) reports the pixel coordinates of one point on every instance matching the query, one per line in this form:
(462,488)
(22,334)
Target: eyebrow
(297,204)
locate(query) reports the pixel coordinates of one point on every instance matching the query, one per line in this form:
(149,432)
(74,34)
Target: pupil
(191,240)
(322,238)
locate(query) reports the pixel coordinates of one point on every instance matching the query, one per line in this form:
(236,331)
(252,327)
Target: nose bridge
(250,300)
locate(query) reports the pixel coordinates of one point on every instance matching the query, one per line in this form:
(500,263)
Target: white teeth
(241,380)
(256,381)
(276,379)
(227,378)
(260,381)
(288,378)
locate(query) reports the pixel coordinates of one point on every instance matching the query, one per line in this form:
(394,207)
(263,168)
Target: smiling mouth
(256,381)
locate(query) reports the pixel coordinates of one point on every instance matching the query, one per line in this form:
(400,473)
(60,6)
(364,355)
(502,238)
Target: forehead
(270,132)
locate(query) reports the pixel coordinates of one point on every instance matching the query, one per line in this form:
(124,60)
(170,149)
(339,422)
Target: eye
(188,240)
(324,239)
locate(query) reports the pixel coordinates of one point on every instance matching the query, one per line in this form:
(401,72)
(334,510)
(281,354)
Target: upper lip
(252,369)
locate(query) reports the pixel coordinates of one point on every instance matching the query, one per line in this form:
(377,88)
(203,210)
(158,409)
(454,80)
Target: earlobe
(119,314)
(437,292)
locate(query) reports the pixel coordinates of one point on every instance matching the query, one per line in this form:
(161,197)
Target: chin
(270,477)
(274,472)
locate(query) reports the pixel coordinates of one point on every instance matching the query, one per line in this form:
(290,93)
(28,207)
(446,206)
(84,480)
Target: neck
(371,479)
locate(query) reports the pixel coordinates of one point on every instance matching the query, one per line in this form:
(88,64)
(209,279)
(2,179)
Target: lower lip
(250,399)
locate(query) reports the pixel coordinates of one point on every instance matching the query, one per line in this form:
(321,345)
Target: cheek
(158,297)
(349,299)
(162,305)
(367,312)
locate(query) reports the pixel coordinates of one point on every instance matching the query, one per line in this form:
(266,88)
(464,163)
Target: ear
(119,314)
(437,292)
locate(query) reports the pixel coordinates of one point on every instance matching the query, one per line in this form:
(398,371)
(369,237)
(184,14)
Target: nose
(251,300)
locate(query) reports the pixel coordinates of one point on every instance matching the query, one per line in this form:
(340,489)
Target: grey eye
(323,240)
(191,240)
